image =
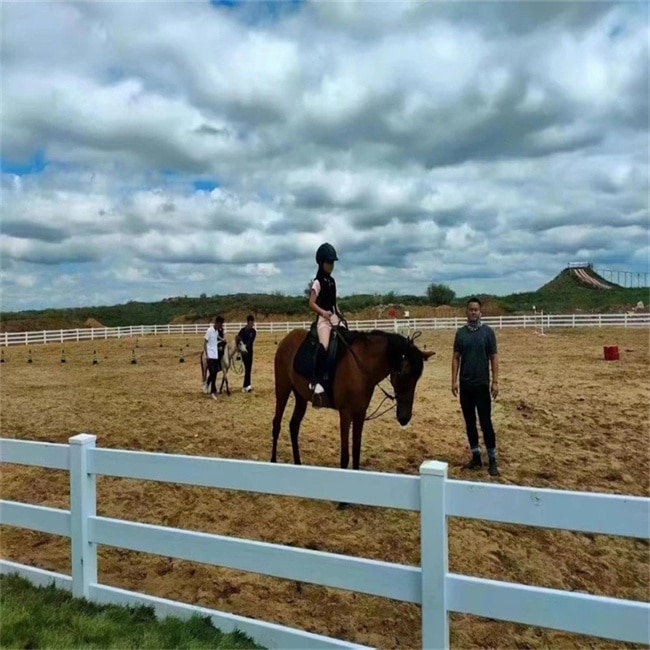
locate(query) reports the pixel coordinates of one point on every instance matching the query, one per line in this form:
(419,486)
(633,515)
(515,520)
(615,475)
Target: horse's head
(407,362)
(241,347)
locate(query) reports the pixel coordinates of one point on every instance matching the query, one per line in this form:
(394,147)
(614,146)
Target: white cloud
(26,281)
(262,270)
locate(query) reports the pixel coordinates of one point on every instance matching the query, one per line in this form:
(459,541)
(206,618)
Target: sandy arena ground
(565,418)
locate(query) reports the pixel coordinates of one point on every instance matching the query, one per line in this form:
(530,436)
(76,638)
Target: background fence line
(395,324)
(430,585)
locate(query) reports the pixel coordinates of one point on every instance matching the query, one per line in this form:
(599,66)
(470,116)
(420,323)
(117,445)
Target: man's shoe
(493,470)
(475,463)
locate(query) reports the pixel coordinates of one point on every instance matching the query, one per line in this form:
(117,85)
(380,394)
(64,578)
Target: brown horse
(366,359)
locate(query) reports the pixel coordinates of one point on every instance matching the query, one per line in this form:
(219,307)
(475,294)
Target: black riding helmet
(326,253)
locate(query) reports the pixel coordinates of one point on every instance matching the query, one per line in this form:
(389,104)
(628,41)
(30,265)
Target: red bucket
(611,352)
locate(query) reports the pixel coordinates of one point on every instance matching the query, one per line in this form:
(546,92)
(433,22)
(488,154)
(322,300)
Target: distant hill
(579,289)
(575,278)
(568,292)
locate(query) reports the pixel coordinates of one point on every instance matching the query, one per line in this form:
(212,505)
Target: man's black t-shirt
(247,336)
(475,348)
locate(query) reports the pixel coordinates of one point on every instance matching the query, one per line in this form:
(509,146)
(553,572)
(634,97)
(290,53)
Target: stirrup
(316,388)
(317,400)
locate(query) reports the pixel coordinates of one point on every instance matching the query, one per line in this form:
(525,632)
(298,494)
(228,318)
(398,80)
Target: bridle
(387,395)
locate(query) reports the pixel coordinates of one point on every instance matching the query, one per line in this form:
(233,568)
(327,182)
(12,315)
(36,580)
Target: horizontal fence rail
(366,488)
(304,565)
(607,514)
(627,319)
(38,454)
(552,608)
(40,518)
(430,585)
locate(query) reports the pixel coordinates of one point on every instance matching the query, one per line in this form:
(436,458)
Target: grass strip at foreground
(46,617)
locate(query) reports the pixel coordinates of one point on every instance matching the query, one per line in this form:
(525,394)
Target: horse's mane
(397,347)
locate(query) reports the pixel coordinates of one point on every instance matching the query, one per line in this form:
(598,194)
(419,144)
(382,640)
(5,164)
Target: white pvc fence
(400,324)
(430,585)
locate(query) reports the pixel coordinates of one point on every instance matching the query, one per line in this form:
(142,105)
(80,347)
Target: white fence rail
(430,585)
(396,324)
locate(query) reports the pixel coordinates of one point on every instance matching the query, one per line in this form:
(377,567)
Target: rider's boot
(316,383)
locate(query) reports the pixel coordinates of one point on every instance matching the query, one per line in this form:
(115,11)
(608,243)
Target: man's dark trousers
(213,368)
(475,398)
(247,360)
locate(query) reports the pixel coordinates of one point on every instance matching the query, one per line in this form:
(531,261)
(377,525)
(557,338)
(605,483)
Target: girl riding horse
(322,301)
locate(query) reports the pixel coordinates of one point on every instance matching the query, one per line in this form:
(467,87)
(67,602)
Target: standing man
(211,351)
(247,336)
(475,350)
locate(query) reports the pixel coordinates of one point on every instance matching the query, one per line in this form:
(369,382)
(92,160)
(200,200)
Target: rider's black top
(326,299)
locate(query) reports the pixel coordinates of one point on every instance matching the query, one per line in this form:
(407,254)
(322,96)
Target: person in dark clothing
(246,335)
(474,352)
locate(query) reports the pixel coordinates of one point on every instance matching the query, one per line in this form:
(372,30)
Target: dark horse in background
(360,361)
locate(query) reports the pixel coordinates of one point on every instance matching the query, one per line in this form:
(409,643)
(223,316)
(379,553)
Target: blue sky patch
(260,11)
(204,185)
(34,165)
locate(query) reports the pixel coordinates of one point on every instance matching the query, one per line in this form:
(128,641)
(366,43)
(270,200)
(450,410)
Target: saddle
(303,363)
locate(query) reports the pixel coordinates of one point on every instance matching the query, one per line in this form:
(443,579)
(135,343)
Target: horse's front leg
(357,431)
(344,420)
(299,410)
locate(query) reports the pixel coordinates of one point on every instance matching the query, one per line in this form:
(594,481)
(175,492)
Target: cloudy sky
(156,149)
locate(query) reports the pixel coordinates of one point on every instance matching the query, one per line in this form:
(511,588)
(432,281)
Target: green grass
(46,617)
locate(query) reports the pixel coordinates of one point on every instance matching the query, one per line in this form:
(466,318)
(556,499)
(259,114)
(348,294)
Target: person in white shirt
(211,350)
(221,335)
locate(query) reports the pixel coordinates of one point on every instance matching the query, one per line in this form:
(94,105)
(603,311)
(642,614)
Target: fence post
(82,506)
(433,554)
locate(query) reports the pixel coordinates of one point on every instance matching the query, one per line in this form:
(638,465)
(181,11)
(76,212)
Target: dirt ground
(565,418)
